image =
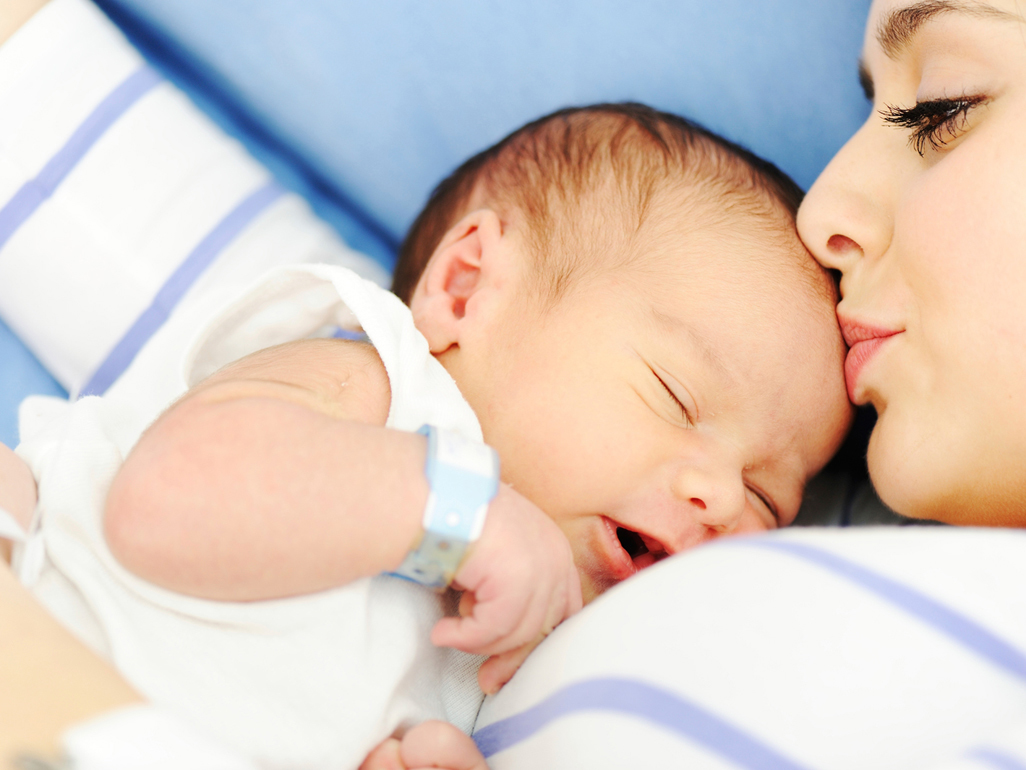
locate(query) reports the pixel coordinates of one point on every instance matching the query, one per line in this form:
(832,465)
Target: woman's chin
(905,473)
(943,475)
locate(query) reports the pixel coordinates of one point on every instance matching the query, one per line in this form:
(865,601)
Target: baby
(611,300)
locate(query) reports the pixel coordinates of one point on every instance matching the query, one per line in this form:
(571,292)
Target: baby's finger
(467,634)
(386,756)
(440,745)
(467,604)
(495,627)
(499,669)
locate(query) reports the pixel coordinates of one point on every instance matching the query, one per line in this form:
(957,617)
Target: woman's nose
(847,215)
(713,495)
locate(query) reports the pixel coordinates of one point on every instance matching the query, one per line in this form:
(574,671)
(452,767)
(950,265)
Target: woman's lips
(863,343)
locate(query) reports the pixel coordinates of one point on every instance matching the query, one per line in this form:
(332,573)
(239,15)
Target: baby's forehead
(752,252)
(719,208)
(749,304)
(764,342)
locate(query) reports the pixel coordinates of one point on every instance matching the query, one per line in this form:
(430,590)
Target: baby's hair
(583,168)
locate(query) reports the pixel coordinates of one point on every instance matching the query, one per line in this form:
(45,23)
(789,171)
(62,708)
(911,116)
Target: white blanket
(829,649)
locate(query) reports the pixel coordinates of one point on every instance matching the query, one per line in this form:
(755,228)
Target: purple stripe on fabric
(998,759)
(349,334)
(636,699)
(151,319)
(34,192)
(952,623)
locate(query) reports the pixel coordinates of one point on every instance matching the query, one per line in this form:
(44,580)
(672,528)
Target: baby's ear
(466,262)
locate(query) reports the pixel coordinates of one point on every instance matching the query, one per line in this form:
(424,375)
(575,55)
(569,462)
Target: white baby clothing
(307,682)
(142,737)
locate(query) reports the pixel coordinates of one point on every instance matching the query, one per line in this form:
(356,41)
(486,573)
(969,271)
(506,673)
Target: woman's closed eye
(936,122)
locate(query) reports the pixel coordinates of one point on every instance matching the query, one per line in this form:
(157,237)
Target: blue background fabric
(20,375)
(364,107)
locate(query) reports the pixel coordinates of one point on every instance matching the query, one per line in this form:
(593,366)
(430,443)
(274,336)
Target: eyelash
(936,122)
(677,401)
(769,506)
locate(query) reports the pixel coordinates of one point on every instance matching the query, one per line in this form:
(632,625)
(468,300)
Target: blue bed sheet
(20,375)
(383,99)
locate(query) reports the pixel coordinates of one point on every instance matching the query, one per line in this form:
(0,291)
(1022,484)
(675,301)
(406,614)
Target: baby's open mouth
(643,551)
(631,542)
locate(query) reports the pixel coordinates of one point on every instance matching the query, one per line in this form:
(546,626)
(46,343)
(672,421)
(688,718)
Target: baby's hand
(429,744)
(519,583)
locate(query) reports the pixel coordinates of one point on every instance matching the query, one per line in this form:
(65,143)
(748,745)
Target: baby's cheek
(752,521)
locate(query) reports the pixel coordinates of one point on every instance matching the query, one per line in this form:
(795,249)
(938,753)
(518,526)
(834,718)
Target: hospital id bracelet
(464,477)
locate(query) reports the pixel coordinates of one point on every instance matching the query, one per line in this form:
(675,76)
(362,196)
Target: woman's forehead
(893,24)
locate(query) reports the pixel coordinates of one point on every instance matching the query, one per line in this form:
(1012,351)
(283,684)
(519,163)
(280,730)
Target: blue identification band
(464,477)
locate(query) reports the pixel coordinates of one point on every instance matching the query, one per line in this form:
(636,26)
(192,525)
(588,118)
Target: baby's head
(623,300)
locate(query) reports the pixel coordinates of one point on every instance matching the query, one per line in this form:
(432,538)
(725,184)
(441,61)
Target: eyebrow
(895,33)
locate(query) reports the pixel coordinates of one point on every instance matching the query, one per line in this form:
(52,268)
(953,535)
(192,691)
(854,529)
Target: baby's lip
(621,564)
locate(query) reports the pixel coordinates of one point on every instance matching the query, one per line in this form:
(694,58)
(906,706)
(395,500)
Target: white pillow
(121,204)
(875,648)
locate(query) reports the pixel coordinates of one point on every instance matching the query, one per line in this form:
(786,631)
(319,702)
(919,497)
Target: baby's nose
(713,496)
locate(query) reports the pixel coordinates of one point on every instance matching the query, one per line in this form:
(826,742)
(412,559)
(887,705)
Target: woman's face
(923,212)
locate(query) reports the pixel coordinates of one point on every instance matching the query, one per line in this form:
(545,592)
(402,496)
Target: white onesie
(312,681)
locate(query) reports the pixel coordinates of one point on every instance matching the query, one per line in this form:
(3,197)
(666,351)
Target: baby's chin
(598,576)
(594,582)
(591,589)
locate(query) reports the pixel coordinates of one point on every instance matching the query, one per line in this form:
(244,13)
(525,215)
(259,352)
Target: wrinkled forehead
(752,311)
(702,257)
(740,258)
(718,224)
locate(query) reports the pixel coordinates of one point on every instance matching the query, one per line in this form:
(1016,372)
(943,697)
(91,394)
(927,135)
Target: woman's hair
(580,170)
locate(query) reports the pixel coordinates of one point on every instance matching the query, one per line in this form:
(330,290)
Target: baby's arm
(17,494)
(277,477)
(273,477)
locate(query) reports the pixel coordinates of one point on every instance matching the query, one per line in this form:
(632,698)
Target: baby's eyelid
(767,502)
(676,399)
